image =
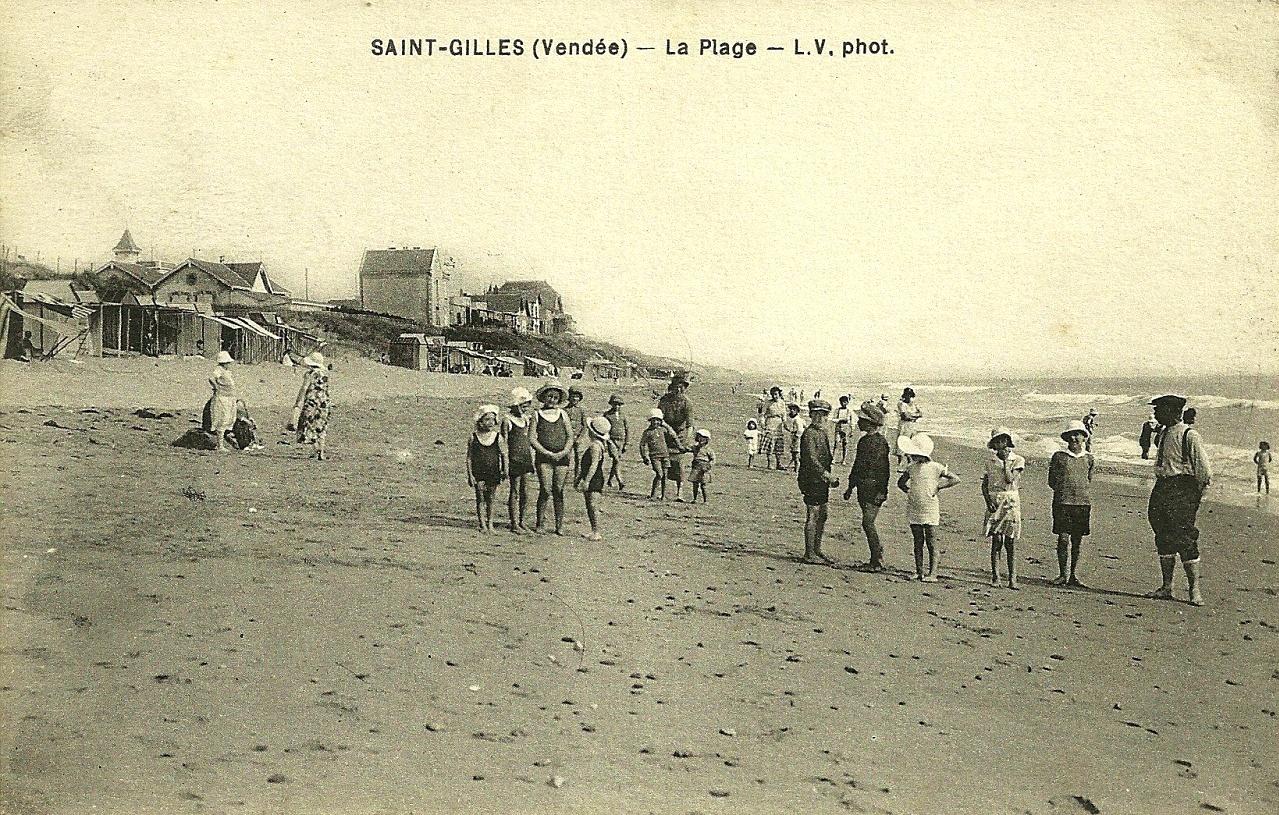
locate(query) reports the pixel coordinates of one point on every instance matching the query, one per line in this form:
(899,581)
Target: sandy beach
(189,632)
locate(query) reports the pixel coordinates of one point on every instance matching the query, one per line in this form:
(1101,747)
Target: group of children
(922,479)
(554,441)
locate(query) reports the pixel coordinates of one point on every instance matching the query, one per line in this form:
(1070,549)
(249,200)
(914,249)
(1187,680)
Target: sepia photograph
(653,407)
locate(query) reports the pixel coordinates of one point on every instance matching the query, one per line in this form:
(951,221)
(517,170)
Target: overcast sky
(1022,192)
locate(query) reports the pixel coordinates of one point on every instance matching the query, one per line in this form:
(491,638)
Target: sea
(1233,414)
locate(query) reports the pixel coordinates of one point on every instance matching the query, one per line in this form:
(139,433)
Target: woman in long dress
(222,403)
(312,406)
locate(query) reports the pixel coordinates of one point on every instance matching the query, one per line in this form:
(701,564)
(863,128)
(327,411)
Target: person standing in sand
(772,435)
(703,461)
(908,413)
(1262,459)
(1070,479)
(922,480)
(815,478)
(1148,430)
(551,437)
(222,403)
(577,424)
(655,452)
(515,437)
(485,464)
(678,411)
(312,407)
(869,477)
(590,479)
(843,418)
(619,437)
(793,427)
(751,436)
(1001,489)
(1090,424)
(1182,476)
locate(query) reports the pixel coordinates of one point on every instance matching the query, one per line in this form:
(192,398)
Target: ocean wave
(1082,398)
(1222,402)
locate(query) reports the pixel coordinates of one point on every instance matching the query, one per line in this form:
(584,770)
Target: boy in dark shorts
(869,476)
(655,453)
(1070,478)
(815,478)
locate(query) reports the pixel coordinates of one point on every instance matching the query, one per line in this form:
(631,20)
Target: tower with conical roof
(126,251)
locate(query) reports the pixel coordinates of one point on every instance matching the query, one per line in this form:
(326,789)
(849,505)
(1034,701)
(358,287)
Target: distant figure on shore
(222,403)
(519,454)
(619,438)
(1189,416)
(551,436)
(1090,424)
(772,436)
(869,477)
(922,480)
(703,461)
(1001,489)
(1070,478)
(1149,429)
(28,350)
(1182,476)
(485,464)
(793,426)
(1262,459)
(312,407)
(843,417)
(883,403)
(815,478)
(751,435)
(590,478)
(678,411)
(577,424)
(908,413)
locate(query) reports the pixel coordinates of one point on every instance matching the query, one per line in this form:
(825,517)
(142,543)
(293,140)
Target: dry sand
(191,632)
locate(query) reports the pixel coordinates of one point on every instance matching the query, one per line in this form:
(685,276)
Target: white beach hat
(917,445)
(1002,431)
(1075,426)
(600,427)
(224,358)
(656,413)
(483,409)
(313,360)
(704,433)
(519,396)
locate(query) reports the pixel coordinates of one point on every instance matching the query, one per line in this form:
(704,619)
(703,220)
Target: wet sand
(191,632)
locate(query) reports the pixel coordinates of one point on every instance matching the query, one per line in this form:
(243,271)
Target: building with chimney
(406,282)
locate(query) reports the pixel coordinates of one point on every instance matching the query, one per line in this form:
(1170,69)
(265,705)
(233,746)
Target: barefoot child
(703,460)
(1000,487)
(551,437)
(815,478)
(577,419)
(793,428)
(869,477)
(843,416)
(751,435)
(619,436)
(922,480)
(520,456)
(1070,478)
(485,464)
(590,479)
(1262,459)
(655,453)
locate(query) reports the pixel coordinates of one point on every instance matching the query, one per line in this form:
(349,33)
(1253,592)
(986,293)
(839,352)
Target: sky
(1017,190)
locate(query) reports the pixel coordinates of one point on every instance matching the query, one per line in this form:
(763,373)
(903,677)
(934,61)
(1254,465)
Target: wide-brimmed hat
(871,412)
(656,413)
(600,426)
(313,360)
(919,444)
(790,405)
(819,404)
(1075,426)
(574,390)
(616,399)
(1171,399)
(553,385)
(679,378)
(483,409)
(703,433)
(224,358)
(775,388)
(519,396)
(1002,431)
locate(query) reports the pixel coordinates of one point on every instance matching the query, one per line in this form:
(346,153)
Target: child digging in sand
(1070,478)
(551,437)
(655,453)
(751,435)
(922,480)
(515,437)
(590,479)
(1000,487)
(485,464)
(703,460)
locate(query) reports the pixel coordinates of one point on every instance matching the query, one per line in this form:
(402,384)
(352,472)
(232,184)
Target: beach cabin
(413,351)
(538,367)
(601,368)
(61,319)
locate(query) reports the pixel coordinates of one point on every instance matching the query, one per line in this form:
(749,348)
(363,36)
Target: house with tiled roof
(220,286)
(405,282)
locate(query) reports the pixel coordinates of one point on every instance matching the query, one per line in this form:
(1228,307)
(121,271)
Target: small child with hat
(793,428)
(1070,479)
(751,435)
(815,478)
(577,416)
(922,480)
(485,464)
(1001,489)
(619,436)
(515,437)
(869,477)
(654,451)
(551,437)
(590,478)
(703,460)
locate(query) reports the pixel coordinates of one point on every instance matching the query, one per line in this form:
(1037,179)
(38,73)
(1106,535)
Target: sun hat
(600,426)
(518,397)
(819,404)
(919,444)
(554,384)
(871,412)
(616,399)
(792,405)
(775,389)
(656,413)
(1002,431)
(1172,399)
(1075,426)
(704,433)
(313,360)
(575,390)
(1093,412)
(679,378)
(224,358)
(483,409)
